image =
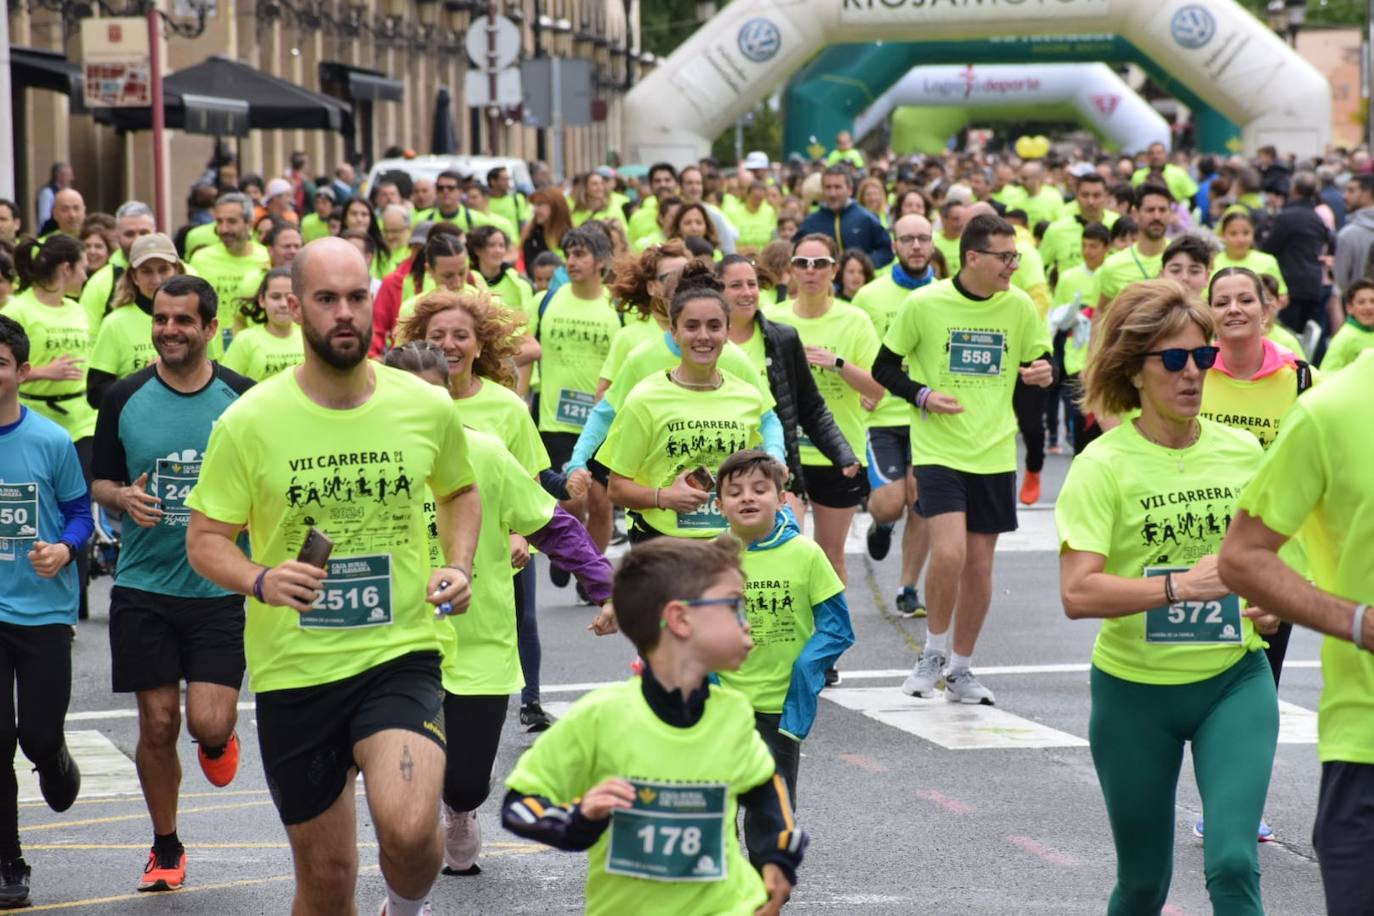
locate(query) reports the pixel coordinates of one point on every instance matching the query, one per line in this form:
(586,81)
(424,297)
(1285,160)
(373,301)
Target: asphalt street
(914,806)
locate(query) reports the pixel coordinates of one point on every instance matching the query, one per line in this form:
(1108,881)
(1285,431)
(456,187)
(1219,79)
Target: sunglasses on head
(1175,359)
(812,263)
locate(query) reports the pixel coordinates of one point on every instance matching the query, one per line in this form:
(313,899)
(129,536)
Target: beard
(910,266)
(336,357)
(190,356)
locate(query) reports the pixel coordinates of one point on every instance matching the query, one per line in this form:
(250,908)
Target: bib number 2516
(355,593)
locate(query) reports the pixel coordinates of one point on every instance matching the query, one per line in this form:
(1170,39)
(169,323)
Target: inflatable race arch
(1215,48)
(1101,99)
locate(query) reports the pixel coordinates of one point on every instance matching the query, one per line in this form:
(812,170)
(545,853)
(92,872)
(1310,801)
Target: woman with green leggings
(1177,660)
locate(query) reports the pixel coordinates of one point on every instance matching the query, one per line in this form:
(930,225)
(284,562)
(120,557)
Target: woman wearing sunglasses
(1176,661)
(841,344)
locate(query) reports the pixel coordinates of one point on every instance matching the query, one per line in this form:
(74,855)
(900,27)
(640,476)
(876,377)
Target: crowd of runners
(325,428)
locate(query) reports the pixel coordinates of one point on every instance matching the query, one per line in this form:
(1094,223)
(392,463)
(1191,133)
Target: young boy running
(798,616)
(657,813)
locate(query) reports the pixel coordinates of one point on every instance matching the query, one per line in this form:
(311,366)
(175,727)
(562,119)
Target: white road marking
(105,770)
(955,726)
(1296,724)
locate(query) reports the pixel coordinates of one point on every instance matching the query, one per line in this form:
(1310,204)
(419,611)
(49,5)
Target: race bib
(356,593)
(1217,621)
(707,515)
(976,352)
(574,407)
(173,480)
(674,832)
(18,516)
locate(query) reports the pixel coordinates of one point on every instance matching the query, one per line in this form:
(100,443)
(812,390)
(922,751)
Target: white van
(476,166)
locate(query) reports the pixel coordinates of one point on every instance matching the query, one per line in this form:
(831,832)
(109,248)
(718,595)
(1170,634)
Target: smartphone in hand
(701,479)
(316,549)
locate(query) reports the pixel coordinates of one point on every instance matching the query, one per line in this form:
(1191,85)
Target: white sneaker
(425,910)
(925,677)
(462,841)
(963,687)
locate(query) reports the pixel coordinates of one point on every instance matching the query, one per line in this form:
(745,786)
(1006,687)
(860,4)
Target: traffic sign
(508,92)
(493,43)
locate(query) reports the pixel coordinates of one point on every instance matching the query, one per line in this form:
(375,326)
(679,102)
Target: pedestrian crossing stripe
(105,769)
(960,727)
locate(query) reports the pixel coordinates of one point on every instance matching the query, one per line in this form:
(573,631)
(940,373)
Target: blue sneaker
(1197,829)
(1265,834)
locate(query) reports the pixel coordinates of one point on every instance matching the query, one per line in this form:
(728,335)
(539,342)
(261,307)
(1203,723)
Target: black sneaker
(61,782)
(909,604)
(879,540)
(534,719)
(832,677)
(14,884)
(559,576)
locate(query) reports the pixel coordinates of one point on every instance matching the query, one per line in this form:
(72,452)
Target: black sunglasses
(1176,358)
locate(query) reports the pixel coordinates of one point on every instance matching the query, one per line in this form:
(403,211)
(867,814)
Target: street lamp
(1286,17)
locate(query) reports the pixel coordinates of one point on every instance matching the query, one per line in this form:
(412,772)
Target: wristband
(466,575)
(657,492)
(257,585)
(1357,626)
(922,396)
(1169,594)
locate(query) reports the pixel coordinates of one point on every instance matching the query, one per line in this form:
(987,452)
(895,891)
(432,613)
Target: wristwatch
(72,548)
(839,363)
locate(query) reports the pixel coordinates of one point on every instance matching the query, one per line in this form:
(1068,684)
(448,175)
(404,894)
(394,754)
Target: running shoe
(879,540)
(14,884)
(462,842)
(1197,829)
(963,687)
(559,576)
(220,770)
(533,717)
(166,872)
(1054,449)
(832,677)
(925,677)
(1030,488)
(425,910)
(909,604)
(61,782)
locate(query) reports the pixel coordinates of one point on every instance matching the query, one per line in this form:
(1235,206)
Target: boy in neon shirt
(1358,331)
(696,754)
(798,616)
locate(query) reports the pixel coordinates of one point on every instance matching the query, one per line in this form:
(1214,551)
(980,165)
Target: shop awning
(272,103)
(345,81)
(34,68)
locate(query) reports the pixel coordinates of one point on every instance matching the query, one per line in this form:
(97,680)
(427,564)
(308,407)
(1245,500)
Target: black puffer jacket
(799,402)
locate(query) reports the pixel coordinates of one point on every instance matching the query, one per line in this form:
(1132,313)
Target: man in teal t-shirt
(167,624)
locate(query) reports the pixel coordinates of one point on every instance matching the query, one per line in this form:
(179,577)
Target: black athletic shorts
(306,734)
(987,500)
(1343,836)
(156,640)
(889,455)
(827,486)
(560,449)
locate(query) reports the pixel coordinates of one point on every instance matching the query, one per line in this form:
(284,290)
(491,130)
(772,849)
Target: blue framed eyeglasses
(735,604)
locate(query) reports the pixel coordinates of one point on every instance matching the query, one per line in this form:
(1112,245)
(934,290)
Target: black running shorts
(156,640)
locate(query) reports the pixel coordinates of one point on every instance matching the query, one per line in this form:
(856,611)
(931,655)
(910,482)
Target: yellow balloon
(1025,147)
(1042,146)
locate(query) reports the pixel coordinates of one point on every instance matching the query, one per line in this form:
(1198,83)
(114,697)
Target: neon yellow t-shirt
(1285,338)
(644,221)
(634,332)
(124,343)
(782,587)
(1260,262)
(575,335)
(1124,268)
(950,249)
(664,429)
(1178,181)
(259,354)
(480,653)
(312,227)
(1141,505)
(970,349)
(658,354)
(202,236)
(1062,246)
(755,229)
(232,277)
(500,412)
(55,331)
(1254,405)
(1046,204)
(757,352)
(1078,286)
(588,746)
(278,462)
(848,333)
(1030,275)
(1306,485)
(1346,345)
(99,289)
(881,300)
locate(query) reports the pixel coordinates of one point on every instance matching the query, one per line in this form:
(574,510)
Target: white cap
(758,159)
(1079,169)
(278,186)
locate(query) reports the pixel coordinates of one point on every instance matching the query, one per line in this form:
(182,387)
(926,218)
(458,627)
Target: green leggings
(1137,732)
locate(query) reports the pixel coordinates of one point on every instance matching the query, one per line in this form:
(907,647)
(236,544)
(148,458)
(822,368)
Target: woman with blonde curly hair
(1177,660)
(481,339)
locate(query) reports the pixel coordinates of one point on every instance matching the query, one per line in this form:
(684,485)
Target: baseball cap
(278,186)
(757,159)
(148,247)
(326,192)
(1079,169)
